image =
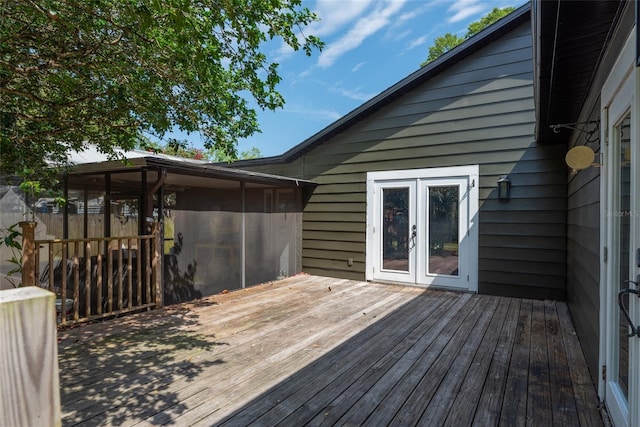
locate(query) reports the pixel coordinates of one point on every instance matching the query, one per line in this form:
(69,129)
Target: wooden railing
(96,277)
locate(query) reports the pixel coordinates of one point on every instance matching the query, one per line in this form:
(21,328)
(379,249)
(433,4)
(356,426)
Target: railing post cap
(24,293)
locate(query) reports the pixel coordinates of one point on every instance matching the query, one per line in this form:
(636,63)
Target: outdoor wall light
(504,188)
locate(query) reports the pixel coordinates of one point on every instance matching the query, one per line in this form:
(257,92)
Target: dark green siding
(583,217)
(479,111)
(583,257)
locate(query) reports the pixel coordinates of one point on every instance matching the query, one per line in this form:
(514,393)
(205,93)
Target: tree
(181,149)
(495,15)
(442,45)
(445,43)
(107,71)
(252,153)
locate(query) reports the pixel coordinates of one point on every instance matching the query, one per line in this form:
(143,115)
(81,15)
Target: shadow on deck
(319,351)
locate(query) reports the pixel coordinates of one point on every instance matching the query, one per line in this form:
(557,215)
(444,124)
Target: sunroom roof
(91,161)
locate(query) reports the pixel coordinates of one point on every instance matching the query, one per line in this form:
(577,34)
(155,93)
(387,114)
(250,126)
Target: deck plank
(333,377)
(583,386)
(439,406)
(514,404)
(539,387)
(400,391)
(304,346)
(381,393)
(463,408)
(327,406)
(564,408)
(489,408)
(313,350)
(426,390)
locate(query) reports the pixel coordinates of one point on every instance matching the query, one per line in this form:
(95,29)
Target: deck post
(29,379)
(28,253)
(156,263)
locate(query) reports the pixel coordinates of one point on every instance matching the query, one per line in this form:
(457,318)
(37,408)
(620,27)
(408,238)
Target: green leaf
(106,72)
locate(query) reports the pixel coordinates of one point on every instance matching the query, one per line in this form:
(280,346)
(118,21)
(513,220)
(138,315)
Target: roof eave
(189,168)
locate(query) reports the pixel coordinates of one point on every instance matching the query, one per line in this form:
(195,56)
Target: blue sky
(369,46)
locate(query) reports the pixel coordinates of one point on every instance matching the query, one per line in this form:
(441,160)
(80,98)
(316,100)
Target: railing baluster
(147,267)
(76,282)
(99,280)
(129,273)
(119,274)
(109,279)
(63,285)
(87,279)
(139,269)
(51,269)
(36,257)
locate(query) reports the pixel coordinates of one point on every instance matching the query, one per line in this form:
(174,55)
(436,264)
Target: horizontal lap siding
(583,256)
(584,210)
(479,111)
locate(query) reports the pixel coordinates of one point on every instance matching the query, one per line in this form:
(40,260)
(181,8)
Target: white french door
(421,227)
(620,266)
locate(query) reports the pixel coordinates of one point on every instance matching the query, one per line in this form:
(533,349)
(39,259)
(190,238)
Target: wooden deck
(317,351)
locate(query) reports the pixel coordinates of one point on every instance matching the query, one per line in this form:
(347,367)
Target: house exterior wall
(478,111)
(583,253)
(584,212)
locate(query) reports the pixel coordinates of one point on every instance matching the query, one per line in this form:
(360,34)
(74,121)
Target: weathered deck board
(287,400)
(490,406)
(318,351)
(466,402)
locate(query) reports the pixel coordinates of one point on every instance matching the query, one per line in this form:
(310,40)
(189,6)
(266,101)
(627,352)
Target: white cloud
(335,15)
(283,52)
(462,9)
(355,94)
(417,11)
(357,67)
(318,115)
(365,27)
(398,36)
(420,41)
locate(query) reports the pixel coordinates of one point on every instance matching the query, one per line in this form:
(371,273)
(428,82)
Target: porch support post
(107,208)
(85,216)
(145,200)
(244,234)
(156,264)
(65,208)
(28,253)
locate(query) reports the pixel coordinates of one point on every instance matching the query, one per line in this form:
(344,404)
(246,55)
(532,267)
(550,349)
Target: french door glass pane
(443,230)
(395,233)
(623,135)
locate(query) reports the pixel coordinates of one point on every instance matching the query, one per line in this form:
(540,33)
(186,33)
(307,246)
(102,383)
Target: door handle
(414,234)
(635,330)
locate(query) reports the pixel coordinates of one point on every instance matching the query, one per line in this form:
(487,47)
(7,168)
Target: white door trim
(469,173)
(619,95)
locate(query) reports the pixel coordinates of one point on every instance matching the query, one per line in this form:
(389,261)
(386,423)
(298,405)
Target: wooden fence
(95,277)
